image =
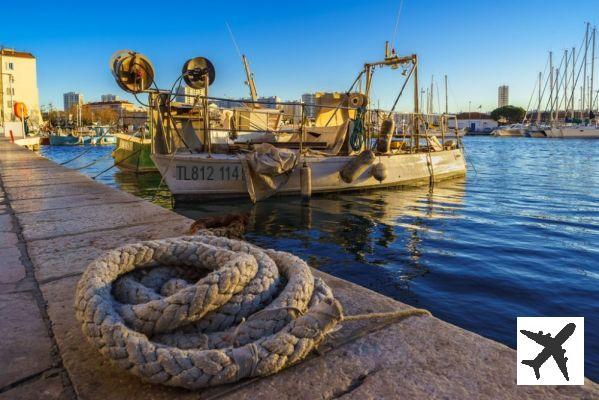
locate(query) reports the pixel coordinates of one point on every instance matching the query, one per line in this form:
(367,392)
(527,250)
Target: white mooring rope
(199,311)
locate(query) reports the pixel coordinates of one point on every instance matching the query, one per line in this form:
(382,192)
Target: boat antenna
(233,40)
(396,24)
(246,66)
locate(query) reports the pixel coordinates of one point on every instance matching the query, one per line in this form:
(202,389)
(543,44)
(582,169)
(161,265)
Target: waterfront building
(125,113)
(18,83)
(270,101)
(309,99)
(503,98)
(72,99)
(185,94)
(109,97)
(480,124)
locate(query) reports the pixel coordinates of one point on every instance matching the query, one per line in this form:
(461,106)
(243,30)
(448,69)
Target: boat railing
(303,124)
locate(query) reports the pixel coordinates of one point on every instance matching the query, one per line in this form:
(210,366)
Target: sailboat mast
(584,75)
(557,94)
(415,137)
(566,84)
(432,83)
(592,72)
(572,105)
(540,94)
(446,102)
(551,86)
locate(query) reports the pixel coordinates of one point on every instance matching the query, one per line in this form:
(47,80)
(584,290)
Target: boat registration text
(209,173)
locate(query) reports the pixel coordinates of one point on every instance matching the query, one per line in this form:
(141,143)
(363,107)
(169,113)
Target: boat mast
(557,94)
(431,99)
(584,75)
(572,105)
(566,85)
(416,103)
(539,106)
(250,79)
(446,102)
(551,87)
(592,72)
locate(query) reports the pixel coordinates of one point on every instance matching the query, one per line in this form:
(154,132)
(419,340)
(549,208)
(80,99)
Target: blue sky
(301,46)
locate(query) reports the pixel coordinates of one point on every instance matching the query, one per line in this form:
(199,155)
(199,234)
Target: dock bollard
(306,182)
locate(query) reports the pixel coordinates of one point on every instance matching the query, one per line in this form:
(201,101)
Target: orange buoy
(20,110)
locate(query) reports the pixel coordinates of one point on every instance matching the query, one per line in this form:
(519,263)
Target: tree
(510,114)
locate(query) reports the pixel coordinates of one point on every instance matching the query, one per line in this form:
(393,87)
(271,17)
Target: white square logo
(550,351)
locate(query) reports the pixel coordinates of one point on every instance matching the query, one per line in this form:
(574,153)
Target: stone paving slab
(69,202)
(39,175)
(7,239)
(59,190)
(61,222)
(41,172)
(11,268)
(5,223)
(47,181)
(65,256)
(25,347)
(47,387)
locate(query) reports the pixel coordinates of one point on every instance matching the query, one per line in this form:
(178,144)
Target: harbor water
(519,236)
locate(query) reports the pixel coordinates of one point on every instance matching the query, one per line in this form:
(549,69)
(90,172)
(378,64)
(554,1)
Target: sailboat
(347,147)
(586,125)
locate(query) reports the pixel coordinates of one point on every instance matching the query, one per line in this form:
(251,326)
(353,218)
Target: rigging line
(438,99)
(530,100)
(118,163)
(233,40)
(453,96)
(401,91)
(557,87)
(544,87)
(349,91)
(93,162)
(86,151)
(564,98)
(101,157)
(396,24)
(579,69)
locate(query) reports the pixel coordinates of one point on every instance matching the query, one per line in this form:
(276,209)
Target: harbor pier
(54,221)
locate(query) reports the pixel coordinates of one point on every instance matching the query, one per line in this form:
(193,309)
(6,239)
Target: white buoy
(306,182)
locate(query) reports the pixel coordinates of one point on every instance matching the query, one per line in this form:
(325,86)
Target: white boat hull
(574,132)
(509,132)
(197,176)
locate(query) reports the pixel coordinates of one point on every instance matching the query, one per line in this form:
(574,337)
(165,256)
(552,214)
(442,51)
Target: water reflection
(373,238)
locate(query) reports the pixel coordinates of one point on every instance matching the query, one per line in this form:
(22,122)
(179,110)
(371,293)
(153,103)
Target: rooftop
(13,53)
(115,102)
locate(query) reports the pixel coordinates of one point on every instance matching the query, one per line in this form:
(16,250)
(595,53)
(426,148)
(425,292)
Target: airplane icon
(552,348)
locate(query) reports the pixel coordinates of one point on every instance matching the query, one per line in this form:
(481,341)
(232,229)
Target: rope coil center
(199,311)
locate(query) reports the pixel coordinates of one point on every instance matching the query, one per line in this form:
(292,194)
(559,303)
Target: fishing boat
(132,152)
(57,139)
(349,147)
(102,135)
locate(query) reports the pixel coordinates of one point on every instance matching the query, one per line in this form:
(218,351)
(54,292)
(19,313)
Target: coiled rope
(356,137)
(199,311)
